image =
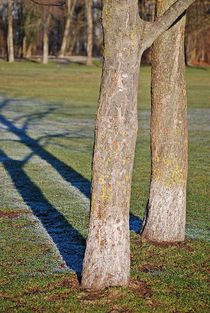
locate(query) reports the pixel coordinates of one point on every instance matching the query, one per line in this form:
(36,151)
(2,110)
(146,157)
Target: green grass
(47,122)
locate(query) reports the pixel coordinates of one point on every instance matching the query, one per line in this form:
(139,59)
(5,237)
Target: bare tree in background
(46,24)
(89,16)
(32,16)
(198,33)
(70,9)
(10,42)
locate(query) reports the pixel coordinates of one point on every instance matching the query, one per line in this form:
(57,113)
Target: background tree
(10,42)
(31,25)
(70,10)
(28,35)
(167,201)
(126,36)
(46,24)
(197,38)
(88,4)
(147,13)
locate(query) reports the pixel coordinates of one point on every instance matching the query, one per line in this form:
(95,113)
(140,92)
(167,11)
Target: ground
(47,123)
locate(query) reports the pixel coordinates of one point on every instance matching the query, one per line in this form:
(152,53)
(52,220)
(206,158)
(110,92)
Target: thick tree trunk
(70,8)
(10,43)
(89,31)
(126,36)
(46,36)
(169,140)
(107,257)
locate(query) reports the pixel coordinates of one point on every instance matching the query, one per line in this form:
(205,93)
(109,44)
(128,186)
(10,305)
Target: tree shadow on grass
(68,240)
(70,243)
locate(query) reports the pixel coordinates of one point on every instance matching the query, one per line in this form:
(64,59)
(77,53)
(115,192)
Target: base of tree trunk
(166,214)
(89,62)
(107,257)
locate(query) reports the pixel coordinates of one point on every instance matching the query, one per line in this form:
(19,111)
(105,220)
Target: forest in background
(36,28)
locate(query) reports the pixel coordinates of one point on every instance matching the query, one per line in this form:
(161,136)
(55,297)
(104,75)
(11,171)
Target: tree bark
(46,36)
(70,9)
(169,139)
(107,256)
(88,4)
(29,51)
(10,42)
(24,47)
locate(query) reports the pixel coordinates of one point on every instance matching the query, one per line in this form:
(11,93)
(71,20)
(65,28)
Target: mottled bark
(88,4)
(10,43)
(154,29)
(107,256)
(169,140)
(70,9)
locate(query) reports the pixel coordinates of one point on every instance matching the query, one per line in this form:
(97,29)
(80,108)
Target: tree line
(73,27)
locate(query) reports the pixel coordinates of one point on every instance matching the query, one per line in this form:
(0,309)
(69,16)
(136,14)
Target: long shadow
(66,237)
(66,171)
(68,240)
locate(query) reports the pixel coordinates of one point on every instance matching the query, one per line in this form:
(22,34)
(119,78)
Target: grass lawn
(47,124)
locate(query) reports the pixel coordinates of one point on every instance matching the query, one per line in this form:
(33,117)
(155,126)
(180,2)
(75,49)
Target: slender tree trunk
(10,42)
(29,51)
(191,43)
(89,31)
(169,139)
(24,47)
(46,36)
(126,36)
(70,9)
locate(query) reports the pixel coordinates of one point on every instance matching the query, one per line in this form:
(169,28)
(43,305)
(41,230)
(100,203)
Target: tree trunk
(89,31)
(46,36)
(29,51)
(10,43)
(70,8)
(107,257)
(126,36)
(169,139)
(24,47)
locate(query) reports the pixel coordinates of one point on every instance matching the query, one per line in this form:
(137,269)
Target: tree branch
(154,29)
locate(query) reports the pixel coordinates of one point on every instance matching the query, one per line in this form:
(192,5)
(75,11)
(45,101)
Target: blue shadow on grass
(70,243)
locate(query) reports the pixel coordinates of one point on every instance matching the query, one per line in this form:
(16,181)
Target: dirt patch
(151,268)
(9,214)
(114,295)
(120,310)
(3,295)
(57,297)
(206,266)
(33,290)
(71,283)
(153,303)
(187,244)
(91,296)
(141,289)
